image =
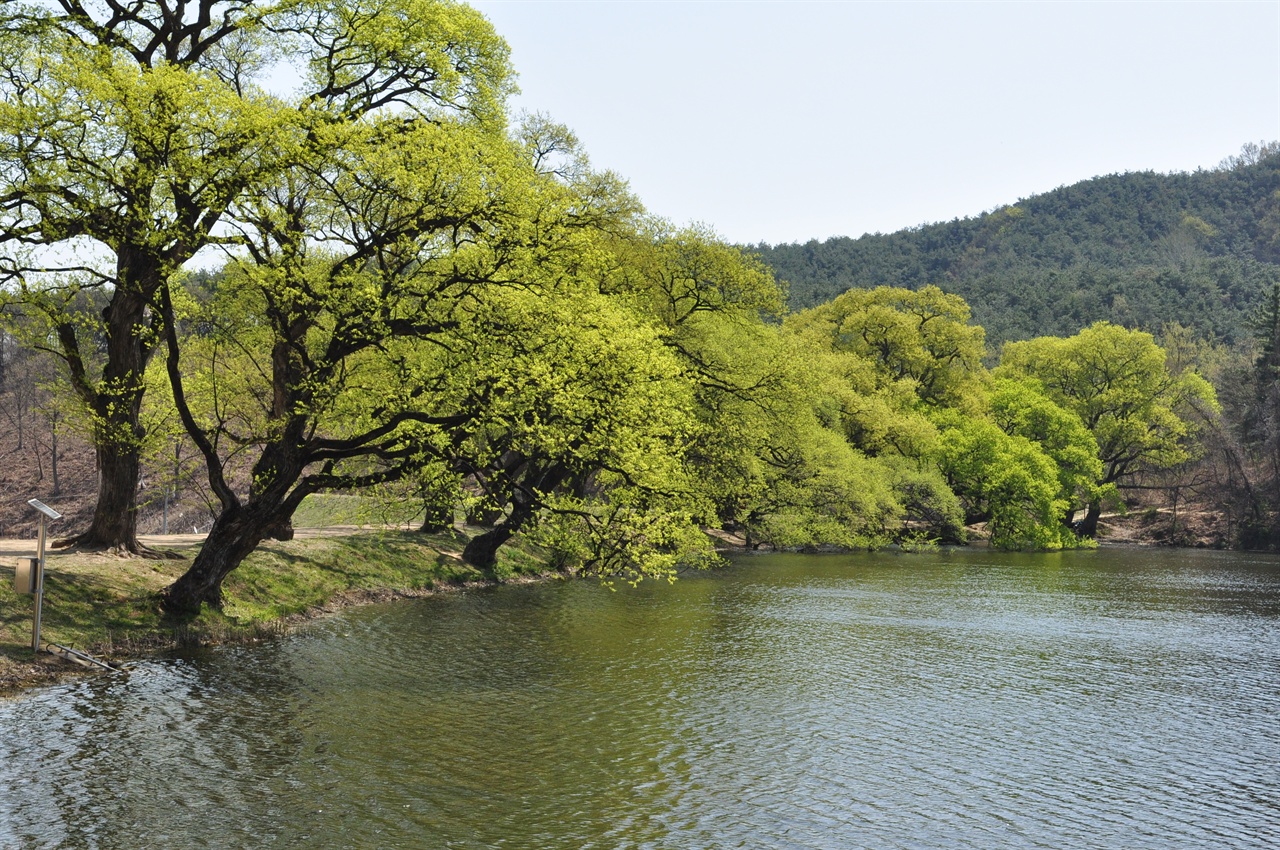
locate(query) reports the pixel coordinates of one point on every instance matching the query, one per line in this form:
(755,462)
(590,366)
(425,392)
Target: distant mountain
(1139,249)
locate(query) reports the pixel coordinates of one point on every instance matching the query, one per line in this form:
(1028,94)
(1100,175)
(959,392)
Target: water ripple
(962,700)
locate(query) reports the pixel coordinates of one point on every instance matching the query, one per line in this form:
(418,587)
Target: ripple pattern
(1113,699)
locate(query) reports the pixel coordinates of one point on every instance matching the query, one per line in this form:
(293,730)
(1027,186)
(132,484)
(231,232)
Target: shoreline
(115,620)
(45,669)
(103,604)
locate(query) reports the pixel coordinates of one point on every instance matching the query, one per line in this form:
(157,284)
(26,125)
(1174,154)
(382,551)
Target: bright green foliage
(129,133)
(768,456)
(1007,480)
(683,275)
(931,509)
(1117,382)
(894,358)
(922,339)
(915,396)
(780,463)
(424,304)
(420,297)
(582,393)
(1021,408)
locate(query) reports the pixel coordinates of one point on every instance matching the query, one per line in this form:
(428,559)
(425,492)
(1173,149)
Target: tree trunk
(438,519)
(281,529)
(117,405)
(115,517)
(482,550)
(1088,526)
(235,533)
(53,460)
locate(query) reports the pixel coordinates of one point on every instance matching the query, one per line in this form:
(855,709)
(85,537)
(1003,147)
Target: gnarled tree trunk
(481,551)
(116,402)
(236,532)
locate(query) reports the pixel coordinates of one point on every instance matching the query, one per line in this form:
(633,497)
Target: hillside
(1139,249)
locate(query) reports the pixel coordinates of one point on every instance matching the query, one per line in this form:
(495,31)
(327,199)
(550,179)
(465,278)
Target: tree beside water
(420,295)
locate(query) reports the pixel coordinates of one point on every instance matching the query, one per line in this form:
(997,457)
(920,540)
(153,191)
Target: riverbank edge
(266,599)
(278,589)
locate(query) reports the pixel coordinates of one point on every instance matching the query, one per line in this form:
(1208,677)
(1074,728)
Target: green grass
(281,579)
(326,510)
(109,605)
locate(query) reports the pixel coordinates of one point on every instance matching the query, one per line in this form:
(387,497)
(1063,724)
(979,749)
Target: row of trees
(421,297)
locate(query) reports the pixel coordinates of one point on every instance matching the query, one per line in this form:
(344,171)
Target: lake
(1122,698)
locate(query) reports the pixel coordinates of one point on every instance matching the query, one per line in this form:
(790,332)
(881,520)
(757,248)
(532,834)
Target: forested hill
(1139,249)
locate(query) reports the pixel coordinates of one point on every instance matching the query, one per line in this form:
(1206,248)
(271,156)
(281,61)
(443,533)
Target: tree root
(83,543)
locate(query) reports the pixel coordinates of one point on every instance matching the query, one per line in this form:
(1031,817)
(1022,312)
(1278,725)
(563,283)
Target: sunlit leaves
(919,338)
(1117,382)
(1008,480)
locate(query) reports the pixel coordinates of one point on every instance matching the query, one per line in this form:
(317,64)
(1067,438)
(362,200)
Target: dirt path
(13,548)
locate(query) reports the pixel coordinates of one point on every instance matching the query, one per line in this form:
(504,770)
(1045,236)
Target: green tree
(768,455)
(129,131)
(354,261)
(1022,409)
(580,443)
(424,299)
(921,339)
(1006,480)
(772,453)
(902,358)
(1118,383)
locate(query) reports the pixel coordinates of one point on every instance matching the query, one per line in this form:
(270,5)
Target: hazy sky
(782,122)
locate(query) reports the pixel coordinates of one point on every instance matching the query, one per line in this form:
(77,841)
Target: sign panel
(24,580)
(44,509)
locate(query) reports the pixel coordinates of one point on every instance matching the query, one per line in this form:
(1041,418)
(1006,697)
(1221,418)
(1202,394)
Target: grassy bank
(107,605)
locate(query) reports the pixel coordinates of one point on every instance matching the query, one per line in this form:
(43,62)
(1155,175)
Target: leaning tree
(1118,382)
(421,297)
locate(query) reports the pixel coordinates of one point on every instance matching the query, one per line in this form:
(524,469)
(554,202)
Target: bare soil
(27,472)
(1190,526)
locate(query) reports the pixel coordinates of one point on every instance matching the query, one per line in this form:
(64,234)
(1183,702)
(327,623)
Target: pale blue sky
(788,121)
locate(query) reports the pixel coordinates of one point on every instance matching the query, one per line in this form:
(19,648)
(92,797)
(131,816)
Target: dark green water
(1121,698)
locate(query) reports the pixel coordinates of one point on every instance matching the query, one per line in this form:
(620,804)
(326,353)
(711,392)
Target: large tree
(419,299)
(920,339)
(129,130)
(1118,383)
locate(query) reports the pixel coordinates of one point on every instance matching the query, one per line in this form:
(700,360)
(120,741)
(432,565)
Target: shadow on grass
(115,610)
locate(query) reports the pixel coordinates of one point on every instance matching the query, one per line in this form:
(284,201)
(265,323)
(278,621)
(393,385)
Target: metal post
(35,628)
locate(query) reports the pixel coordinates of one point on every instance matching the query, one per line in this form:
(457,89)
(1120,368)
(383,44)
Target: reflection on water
(968,699)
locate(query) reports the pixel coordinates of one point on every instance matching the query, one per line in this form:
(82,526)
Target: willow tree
(128,131)
(919,339)
(904,358)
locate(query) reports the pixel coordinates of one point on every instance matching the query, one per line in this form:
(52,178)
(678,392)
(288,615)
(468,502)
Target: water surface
(1120,698)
